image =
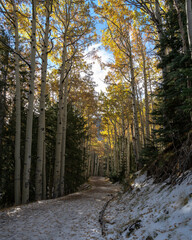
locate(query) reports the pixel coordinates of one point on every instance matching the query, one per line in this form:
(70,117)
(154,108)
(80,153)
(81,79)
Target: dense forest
(55,130)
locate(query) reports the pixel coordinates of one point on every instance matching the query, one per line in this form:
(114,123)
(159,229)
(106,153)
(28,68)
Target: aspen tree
(64,131)
(135,118)
(119,34)
(116,165)
(108,155)
(188,7)
(41,153)
(143,55)
(28,139)
(140,115)
(128,152)
(75,22)
(57,167)
(122,154)
(181,25)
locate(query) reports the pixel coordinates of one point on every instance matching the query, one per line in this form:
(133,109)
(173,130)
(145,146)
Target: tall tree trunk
(151,96)
(146,95)
(44,173)
(92,162)
(141,115)
(3,93)
(89,150)
(128,153)
(134,146)
(57,167)
(17,181)
(109,150)
(134,103)
(64,136)
(181,26)
(123,139)
(142,51)
(116,166)
(28,140)
(160,31)
(188,8)
(112,157)
(41,157)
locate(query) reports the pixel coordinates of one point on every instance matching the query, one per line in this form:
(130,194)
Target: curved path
(73,217)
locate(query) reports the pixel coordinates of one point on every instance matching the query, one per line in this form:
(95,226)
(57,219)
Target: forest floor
(147,211)
(73,217)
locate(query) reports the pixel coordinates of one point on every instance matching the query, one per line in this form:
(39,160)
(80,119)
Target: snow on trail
(73,217)
(148,211)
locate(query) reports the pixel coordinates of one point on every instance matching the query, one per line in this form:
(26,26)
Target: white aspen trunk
(89,150)
(181,26)
(108,155)
(135,118)
(28,140)
(17,182)
(141,117)
(112,157)
(128,153)
(89,155)
(44,173)
(159,19)
(123,139)
(146,94)
(134,144)
(57,167)
(92,162)
(151,94)
(134,103)
(115,149)
(64,137)
(188,6)
(160,30)
(142,51)
(89,163)
(41,127)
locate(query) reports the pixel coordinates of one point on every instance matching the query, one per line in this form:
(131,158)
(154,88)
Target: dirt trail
(73,217)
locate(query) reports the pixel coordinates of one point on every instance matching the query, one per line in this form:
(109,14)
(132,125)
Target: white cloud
(99,72)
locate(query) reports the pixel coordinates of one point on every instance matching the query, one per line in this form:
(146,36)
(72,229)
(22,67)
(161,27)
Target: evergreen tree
(172,112)
(75,151)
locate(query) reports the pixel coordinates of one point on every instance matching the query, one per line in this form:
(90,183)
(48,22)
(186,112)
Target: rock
(131,228)
(149,238)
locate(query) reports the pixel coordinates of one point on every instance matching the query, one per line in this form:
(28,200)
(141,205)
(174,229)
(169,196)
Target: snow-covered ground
(74,217)
(147,212)
(151,211)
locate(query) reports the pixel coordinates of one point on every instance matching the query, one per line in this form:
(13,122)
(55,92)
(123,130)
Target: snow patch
(151,211)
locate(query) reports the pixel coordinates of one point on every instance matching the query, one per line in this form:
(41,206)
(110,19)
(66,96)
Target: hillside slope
(151,211)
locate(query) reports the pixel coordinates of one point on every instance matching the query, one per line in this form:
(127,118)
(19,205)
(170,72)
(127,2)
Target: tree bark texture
(28,139)
(181,25)
(188,6)
(135,118)
(41,157)
(64,131)
(59,135)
